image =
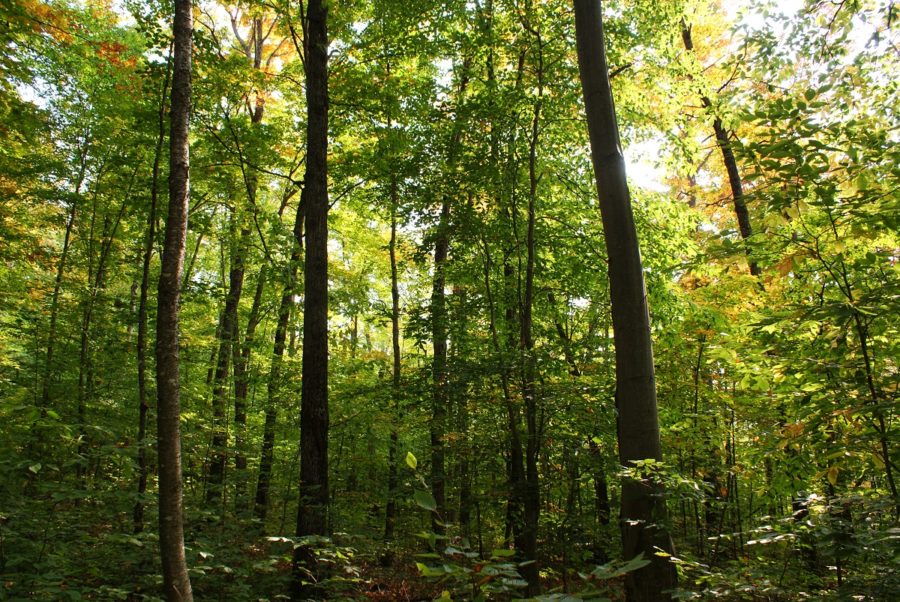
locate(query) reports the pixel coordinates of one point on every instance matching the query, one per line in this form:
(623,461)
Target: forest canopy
(449,300)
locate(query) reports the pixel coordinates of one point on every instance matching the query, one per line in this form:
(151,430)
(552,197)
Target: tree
(143,326)
(176,583)
(724,142)
(312,512)
(643,510)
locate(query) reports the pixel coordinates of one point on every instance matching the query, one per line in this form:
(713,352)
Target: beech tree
(643,512)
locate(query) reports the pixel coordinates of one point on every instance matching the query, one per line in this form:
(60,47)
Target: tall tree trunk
(57,288)
(440,394)
(723,141)
(462,420)
(228,329)
(241,387)
(390,516)
(642,506)
(143,406)
(176,583)
(96,284)
(526,342)
(241,353)
(312,511)
(267,450)
(515,459)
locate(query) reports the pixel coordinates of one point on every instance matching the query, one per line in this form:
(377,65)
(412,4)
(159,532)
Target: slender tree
(143,405)
(532,501)
(390,518)
(176,583)
(723,141)
(440,393)
(642,507)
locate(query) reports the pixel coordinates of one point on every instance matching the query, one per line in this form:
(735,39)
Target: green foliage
(777,394)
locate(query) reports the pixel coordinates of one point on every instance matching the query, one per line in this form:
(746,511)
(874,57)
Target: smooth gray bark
(643,511)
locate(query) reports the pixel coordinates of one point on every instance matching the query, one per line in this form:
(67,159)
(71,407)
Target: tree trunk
(241,353)
(723,140)
(643,509)
(390,516)
(227,341)
(526,342)
(241,388)
(96,284)
(57,287)
(143,406)
(440,394)
(267,451)
(176,583)
(312,511)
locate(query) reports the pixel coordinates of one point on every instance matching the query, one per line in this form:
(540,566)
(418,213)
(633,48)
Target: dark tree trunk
(463,422)
(440,394)
(267,451)
(723,140)
(312,512)
(176,583)
(241,387)
(57,287)
(440,399)
(241,353)
(515,464)
(532,502)
(143,406)
(390,516)
(228,329)
(643,509)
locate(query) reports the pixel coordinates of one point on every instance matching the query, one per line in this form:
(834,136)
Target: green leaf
(425,500)
(503,553)
(411,460)
(35,468)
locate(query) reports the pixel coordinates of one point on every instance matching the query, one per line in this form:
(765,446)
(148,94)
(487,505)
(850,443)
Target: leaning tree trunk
(312,511)
(176,583)
(57,286)
(723,141)
(642,507)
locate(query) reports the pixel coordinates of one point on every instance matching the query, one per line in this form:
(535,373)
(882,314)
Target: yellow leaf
(878,461)
(833,475)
